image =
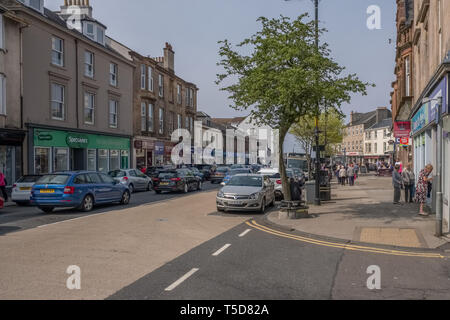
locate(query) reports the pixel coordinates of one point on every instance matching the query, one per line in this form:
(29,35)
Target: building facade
(163,102)
(11,133)
(402,95)
(377,141)
(429,116)
(77,92)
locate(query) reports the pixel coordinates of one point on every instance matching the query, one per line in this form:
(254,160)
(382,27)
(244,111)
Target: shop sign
(420,119)
(77,141)
(402,129)
(159,148)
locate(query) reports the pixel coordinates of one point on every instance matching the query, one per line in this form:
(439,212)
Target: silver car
(21,190)
(246,192)
(132,178)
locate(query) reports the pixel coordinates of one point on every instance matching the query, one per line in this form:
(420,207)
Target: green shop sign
(63,139)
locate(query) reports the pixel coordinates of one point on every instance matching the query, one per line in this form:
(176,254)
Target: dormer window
(94,32)
(37,5)
(90,31)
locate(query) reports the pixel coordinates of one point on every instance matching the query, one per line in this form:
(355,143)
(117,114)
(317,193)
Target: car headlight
(254,196)
(220,194)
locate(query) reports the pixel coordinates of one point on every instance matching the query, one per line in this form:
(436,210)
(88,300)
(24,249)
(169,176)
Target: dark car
(81,190)
(153,172)
(206,169)
(219,174)
(179,180)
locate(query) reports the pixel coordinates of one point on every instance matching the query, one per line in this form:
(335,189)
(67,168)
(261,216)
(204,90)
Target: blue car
(81,190)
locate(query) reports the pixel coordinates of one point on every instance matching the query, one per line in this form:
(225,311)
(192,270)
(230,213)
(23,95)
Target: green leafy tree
(282,76)
(331,124)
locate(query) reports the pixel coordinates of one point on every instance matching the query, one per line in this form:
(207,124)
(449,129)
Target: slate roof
(361,118)
(386,123)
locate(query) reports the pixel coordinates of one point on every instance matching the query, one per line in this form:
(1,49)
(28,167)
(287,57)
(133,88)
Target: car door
(112,188)
(132,175)
(143,180)
(98,186)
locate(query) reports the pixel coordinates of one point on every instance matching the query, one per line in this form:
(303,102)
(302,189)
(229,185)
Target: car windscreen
(239,171)
(222,169)
(54,179)
(28,179)
(168,175)
(116,174)
(245,181)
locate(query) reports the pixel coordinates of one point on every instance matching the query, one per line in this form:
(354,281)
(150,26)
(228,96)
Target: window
(92,160)
(161,121)
(150,117)
(57,51)
(150,79)
(57,101)
(113,110)
(407,77)
(41,160)
(103,160)
(89,106)
(89,64)
(113,74)
(376,134)
(114,160)
(61,159)
(2,32)
(2,94)
(191,98)
(143,116)
(161,85)
(178,94)
(34,4)
(375,148)
(90,31)
(171,122)
(186,123)
(179,121)
(100,35)
(143,76)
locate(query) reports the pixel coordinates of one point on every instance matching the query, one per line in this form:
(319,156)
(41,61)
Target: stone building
(402,95)
(377,141)
(430,121)
(75,90)
(163,102)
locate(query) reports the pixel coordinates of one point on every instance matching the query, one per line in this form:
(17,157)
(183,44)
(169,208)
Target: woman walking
(3,186)
(343,175)
(397,183)
(422,187)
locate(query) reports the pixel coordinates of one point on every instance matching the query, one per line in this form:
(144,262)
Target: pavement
(366,213)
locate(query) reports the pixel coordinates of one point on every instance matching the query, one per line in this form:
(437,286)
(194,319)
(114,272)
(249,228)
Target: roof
(228,121)
(361,118)
(386,123)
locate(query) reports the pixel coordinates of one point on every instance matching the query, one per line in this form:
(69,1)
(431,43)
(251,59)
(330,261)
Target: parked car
(206,169)
(244,192)
(176,180)
(81,189)
(197,173)
(135,180)
(234,172)
(21,190)
(153,172)
(275,176)
(219,174)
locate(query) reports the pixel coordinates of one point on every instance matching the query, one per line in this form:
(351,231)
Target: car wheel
(149,186)
(87,204)
(199,186)
(186,188)
(125,198)
(263,206)
(47,209)
(131,188)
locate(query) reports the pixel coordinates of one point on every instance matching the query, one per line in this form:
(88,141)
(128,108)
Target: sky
(194,27)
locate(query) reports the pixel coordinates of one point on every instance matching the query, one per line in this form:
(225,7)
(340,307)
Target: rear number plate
(47,191)
(24,189)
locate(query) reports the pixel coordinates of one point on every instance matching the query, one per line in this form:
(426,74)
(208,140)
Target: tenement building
(163,102)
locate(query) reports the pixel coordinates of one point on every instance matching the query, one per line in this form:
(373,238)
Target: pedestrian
(343,175)
(422,187)
(3,186)
(400,164)
(397,182)
(356,170)
(409,181)
(351,175)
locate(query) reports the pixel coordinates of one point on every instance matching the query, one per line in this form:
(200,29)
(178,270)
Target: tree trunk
(284,178)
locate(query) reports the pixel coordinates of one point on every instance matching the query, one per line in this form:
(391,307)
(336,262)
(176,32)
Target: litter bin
(310,188)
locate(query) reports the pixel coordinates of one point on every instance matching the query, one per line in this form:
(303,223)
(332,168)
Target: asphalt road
(258,265)
(15,218)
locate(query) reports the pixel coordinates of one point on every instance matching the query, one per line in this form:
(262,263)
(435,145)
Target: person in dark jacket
(397,182)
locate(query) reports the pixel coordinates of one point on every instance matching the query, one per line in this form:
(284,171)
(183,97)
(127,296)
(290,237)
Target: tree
(283,77)
(331,123)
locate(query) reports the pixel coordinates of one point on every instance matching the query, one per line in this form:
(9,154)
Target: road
(14,218)
(181,248)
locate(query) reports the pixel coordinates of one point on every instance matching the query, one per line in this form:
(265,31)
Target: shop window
(42,160)
(92,160)
(61,160)
(114,160)
(103,163)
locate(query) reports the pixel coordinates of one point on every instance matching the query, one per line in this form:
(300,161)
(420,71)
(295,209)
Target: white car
(275,176)
(21,190)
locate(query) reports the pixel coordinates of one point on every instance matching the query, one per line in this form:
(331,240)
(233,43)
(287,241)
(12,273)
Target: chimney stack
(169,58)
(84,7)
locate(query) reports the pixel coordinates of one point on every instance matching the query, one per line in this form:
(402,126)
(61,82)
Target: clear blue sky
(193,27)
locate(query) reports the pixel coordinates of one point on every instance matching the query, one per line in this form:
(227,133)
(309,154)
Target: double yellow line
(351,247)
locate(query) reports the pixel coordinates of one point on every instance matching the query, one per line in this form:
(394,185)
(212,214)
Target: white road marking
(225,247)
(244,233)
(181,280)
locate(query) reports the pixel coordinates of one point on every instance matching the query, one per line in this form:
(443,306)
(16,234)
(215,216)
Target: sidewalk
(365,213)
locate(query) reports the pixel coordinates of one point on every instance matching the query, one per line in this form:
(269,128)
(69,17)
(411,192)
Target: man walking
(343,175)
(397,183)
(409,182)
(351,175)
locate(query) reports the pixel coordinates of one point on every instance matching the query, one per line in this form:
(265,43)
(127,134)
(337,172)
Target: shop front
(151,152)
(56,150)
(11,154)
